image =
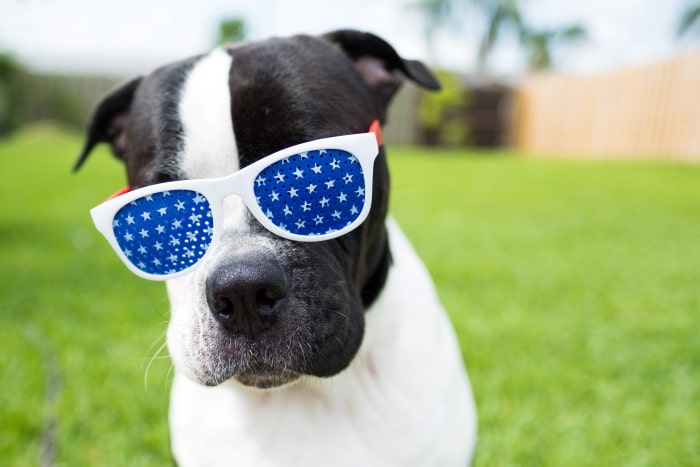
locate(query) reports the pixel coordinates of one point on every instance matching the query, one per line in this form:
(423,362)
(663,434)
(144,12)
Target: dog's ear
(109,121)
(377,61)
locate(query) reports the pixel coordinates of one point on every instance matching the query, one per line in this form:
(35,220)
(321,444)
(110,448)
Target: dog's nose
(243,294)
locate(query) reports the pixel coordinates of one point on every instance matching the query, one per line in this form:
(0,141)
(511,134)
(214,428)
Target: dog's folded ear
(109,121)
(376,61)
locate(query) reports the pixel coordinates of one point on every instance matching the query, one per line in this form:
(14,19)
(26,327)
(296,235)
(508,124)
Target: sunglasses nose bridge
(233,214)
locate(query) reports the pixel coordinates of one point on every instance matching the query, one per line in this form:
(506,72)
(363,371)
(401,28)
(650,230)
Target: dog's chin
(258,376)
(266,378)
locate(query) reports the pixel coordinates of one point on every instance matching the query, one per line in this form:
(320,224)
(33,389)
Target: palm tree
(538,44)
(499,15)
(690,18)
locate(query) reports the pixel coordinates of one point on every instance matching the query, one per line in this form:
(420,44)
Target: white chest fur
(404,401)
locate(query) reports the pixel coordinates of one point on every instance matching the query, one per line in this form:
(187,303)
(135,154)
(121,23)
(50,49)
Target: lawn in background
(574,288)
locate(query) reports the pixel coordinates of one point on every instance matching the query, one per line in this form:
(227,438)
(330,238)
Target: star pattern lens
(165,232)
(312,193)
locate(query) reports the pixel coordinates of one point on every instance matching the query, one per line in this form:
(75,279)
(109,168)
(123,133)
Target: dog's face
(262,309)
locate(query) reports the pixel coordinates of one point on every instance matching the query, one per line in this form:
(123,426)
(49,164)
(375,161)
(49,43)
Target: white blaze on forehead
(209,145)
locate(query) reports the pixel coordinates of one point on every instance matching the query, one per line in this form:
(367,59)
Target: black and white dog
(352,360)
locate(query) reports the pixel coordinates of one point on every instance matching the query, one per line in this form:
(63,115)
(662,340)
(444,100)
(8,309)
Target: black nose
(243,294)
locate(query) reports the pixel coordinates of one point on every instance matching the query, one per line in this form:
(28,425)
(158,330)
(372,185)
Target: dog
(293,353)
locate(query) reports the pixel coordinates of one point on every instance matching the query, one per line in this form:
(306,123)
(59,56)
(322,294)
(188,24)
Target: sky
(128,37)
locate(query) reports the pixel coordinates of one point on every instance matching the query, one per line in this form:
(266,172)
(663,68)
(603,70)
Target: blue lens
(312,193)
(166,232)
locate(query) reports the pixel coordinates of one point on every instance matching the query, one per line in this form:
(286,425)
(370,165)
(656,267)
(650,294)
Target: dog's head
(262,309)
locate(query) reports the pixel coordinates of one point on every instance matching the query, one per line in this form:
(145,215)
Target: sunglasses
(309,192)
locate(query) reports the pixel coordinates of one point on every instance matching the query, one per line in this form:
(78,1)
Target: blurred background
(533,74)
(552,188)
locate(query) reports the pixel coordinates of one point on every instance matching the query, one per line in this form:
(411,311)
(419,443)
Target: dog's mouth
(266,377)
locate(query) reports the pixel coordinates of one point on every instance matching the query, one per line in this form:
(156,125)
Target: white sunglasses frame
(364,146)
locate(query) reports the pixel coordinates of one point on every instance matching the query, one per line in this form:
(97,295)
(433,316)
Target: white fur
(405,400)
(209,148)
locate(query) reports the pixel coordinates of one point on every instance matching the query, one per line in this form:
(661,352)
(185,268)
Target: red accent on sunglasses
(126,189)
(376,128)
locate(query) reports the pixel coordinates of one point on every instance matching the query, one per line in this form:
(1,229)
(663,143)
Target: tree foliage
(12,93)
(231,30)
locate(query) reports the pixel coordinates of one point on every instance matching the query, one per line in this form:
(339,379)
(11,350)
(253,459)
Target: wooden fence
(650,111)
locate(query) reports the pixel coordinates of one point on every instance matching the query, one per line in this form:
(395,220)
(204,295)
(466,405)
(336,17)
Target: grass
(573,287)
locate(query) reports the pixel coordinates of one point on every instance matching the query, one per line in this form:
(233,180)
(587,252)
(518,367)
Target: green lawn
(574,288)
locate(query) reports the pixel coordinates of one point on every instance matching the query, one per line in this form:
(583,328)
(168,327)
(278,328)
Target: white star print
(146,215)
(298,173)
(360,191)
(342,197)
(260,180)
(163,211)
(275,196)
(293,192)
(129,219)
(347,178)
(180,205)
(191,236)
(353,210)
(306,206)
(269,214)
(329,184)
(311,188)
(142,250)
(279,177)
(318,219)
(335,164)
(144,233)
(300,224)
(156,261)
(316,168)
(174,241)
(115,223)
(324,201)
(172,258)
(194,218)
(177,224)
(199,199)
(158,246)
(287,211)
(160,229)
(128,237)
(336,214)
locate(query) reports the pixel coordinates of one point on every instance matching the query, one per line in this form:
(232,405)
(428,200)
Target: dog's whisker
(150,363)
(169,376)
(157,340)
